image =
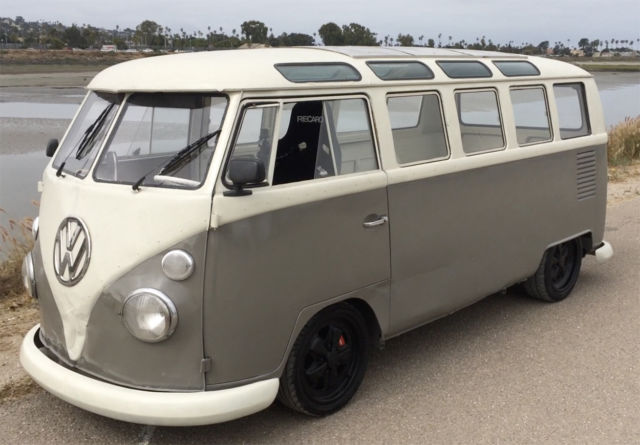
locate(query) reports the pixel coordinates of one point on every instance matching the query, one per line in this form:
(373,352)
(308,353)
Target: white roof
(253,69)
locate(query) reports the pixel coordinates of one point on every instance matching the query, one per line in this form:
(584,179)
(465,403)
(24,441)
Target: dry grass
(15,242)
(623,153)
(624,142)
(625,173)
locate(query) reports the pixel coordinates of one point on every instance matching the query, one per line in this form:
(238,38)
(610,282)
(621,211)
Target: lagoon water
(22,165)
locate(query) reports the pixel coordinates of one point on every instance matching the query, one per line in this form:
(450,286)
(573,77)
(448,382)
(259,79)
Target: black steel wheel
(327,362)
(558,272)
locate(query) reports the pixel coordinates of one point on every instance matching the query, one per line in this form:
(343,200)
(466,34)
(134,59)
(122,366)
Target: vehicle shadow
(440,360)
(407,364)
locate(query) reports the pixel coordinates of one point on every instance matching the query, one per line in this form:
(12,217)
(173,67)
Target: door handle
(376,222)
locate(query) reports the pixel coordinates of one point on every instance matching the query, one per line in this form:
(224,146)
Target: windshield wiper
(90,134)
(179,159)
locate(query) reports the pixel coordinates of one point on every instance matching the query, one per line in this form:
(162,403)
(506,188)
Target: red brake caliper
(341,341)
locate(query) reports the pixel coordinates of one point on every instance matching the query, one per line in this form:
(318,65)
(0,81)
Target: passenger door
(314,230)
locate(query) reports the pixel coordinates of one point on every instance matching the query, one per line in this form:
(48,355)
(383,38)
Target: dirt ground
(16,318)
(19,315)
(624,183)
(32,61)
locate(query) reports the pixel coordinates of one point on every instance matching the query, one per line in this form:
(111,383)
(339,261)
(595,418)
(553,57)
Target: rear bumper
(146,407)
(604,252)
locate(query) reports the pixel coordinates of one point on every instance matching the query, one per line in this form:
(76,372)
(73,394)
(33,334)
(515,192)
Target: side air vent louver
(586,174)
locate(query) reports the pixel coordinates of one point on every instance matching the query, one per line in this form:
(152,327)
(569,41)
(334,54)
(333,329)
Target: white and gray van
(220,229)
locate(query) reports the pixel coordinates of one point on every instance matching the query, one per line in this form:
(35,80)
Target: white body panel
(147,407)
(118,244)
(128,227)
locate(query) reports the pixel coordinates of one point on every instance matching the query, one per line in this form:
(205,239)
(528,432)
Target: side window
(531,116)
(353,146)
(417,128)
(572,110)
(255,136)
(404,111)
(320,138)
(480,124)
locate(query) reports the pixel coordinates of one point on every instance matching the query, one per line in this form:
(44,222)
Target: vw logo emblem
(71,251)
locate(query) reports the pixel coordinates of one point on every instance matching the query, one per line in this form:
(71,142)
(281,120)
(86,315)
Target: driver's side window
(316,139)
(256,134)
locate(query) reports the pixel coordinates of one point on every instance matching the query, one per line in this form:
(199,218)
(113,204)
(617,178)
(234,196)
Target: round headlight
(177,265)
(28,275)
(149,315)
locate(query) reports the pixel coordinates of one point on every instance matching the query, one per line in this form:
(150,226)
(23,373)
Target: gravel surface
(505,370)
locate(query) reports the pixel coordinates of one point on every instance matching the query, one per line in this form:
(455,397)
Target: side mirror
(243,172)
(52,146)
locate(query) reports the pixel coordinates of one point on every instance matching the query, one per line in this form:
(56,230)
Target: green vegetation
(44,66)
(624,142)
(19,33)
(618,67)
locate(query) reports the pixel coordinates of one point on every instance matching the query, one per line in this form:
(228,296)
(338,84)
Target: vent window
(517,68)
(318,72)
(401,70)
(461,69)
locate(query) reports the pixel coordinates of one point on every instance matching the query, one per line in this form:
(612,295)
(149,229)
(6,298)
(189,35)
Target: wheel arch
(372,302)
(373,324)
(586,241)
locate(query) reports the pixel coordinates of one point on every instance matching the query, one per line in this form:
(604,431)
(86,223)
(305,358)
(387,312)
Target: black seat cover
(297,150)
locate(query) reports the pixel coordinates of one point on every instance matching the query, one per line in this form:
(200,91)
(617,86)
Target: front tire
(327,362)
(558,272)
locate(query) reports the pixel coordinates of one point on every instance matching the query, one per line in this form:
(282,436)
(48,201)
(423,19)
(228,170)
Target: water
(18,183)
(620,95)
(19,173)
(30,110)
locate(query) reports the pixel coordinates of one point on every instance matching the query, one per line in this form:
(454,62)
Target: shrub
(15,242)
(624,142)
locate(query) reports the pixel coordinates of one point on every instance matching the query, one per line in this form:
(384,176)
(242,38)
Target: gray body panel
(51,330)
(263,271)
(459,237)
(111,353)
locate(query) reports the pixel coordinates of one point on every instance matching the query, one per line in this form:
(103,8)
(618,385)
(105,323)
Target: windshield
(85,136)
(152,129)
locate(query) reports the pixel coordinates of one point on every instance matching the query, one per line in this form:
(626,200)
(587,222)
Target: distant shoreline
(66,61)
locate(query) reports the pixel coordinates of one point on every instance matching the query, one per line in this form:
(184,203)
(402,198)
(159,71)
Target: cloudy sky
(500,20)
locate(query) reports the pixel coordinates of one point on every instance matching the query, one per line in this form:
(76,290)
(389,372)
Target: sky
(499,20)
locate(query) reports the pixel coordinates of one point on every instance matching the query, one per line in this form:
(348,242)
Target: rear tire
(558,272)
(327,362)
